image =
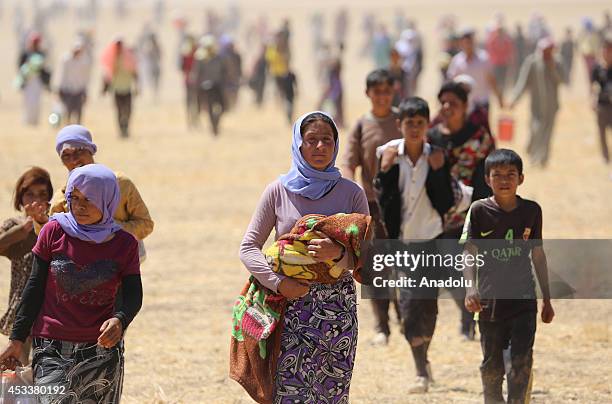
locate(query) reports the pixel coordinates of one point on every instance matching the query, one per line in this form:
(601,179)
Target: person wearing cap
(541,74)
(74,78)
(75,147)
(601,89)
(475,63)
(209,75)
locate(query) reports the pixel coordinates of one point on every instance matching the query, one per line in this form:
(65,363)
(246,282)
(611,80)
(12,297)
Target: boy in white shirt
(415,190)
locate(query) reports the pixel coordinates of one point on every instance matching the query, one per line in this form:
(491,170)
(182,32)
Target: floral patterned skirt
(318,345)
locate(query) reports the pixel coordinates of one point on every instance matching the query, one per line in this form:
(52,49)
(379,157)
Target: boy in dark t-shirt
(505,231)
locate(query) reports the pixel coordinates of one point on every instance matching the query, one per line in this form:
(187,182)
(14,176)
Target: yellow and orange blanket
(289,254)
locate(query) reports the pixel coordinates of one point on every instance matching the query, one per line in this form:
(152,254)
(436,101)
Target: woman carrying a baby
(319,337)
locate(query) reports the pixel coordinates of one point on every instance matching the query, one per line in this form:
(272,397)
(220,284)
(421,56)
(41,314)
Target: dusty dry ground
(201,192)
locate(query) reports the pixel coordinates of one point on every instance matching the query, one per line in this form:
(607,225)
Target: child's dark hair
(34,175)
(317,116)
(455,88)
(413,106)
(503,157)
(377,77)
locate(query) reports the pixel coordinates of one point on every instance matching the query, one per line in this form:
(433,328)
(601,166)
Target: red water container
(505,129)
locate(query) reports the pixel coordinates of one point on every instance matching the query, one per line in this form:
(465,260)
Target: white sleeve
(392,143)
(466,197)
(451,72)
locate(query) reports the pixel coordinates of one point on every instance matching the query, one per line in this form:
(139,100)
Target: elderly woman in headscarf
(68,305)
(319,338)
(75,147)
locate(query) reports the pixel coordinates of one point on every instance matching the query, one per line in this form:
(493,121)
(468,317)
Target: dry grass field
(201,192)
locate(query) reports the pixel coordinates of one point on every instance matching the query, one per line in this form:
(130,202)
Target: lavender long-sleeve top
(281,209)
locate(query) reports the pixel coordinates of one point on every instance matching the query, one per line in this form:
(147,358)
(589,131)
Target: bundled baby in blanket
(289,254)
(257,311)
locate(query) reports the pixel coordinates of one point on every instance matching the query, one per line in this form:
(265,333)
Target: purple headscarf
(75,135)
(99,185)
(302,178)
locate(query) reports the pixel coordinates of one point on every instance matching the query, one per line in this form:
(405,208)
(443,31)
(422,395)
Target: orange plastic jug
(505,128)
